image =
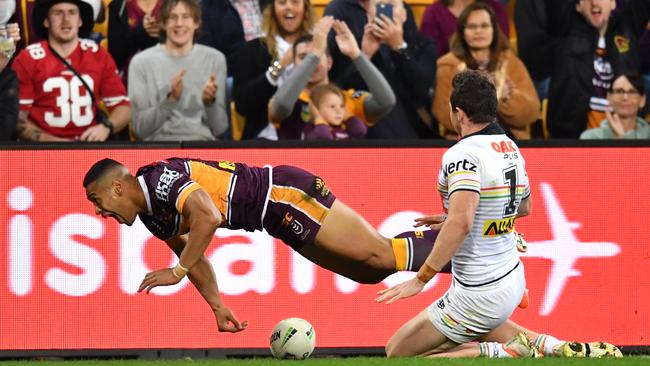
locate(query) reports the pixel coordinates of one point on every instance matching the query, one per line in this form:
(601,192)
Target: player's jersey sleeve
(354,104)
(460,171)
(170,185)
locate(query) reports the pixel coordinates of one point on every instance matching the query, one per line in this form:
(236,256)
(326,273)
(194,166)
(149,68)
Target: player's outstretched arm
(204,279)
(202,218)
(462,208)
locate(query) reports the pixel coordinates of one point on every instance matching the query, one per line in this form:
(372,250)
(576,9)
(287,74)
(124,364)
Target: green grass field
(349,361)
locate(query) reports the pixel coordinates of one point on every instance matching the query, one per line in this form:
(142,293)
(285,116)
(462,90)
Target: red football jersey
(56,100)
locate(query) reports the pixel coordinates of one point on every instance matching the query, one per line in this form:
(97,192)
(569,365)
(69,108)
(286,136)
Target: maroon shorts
(298,203)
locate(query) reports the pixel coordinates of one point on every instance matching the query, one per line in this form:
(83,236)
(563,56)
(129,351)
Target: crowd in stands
(188,70)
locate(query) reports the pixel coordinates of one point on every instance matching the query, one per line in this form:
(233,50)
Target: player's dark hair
(99,169)
(474,93)
(305,38)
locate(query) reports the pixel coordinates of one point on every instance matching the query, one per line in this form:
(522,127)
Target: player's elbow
(213,221)
(461,225)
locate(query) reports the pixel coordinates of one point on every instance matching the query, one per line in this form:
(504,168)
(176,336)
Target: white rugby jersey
(489,163)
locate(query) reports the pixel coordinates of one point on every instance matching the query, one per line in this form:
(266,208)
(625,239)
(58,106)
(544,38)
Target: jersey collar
(145,190)
(491,129)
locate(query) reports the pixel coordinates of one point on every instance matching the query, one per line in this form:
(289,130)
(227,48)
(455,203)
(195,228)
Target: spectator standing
(480,45)
(63,77)
(261,62)
(402,55)
(440,19)
(178,88)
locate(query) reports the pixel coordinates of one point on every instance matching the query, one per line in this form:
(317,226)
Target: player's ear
(117,187)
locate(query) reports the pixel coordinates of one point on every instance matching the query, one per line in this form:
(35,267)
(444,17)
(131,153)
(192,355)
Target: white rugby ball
(293,338)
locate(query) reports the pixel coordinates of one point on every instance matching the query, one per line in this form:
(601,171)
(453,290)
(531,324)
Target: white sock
(546,344)
(493,350)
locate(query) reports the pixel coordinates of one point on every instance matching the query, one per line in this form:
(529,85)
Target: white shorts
(463,314)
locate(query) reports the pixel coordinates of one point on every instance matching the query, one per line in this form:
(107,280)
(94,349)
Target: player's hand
(210,91)
(151,25)
(161,277)
(345,40)
(176,86)
(434,222)
(96,133)
(227,322)
(402,290)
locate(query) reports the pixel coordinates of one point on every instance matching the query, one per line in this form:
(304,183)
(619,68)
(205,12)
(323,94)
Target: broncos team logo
(320,187)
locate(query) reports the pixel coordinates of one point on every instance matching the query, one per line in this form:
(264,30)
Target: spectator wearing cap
(63,78)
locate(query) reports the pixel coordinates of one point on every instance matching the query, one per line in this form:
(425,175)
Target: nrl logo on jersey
(498,227)
(167,178)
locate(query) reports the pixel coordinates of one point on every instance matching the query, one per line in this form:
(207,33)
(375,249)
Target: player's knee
(392,349)
(382,258)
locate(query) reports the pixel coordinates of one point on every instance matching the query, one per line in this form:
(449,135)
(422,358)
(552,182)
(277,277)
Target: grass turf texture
(349,361)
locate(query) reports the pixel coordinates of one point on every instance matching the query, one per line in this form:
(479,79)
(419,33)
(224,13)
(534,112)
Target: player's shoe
(522,246)
(591,349)
(520,346)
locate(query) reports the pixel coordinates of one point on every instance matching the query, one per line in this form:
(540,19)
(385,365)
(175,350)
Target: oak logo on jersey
(320,187)
(167,178)
(460,165)
(498,227)
(504,147)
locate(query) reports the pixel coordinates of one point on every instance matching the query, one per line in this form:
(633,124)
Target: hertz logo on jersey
(498,227)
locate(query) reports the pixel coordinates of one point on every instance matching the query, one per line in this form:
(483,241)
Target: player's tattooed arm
(28,131)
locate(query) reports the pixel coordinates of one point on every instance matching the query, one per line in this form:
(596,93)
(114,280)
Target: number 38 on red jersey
(57,100)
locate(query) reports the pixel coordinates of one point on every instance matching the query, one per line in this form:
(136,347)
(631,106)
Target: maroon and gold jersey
(237,190)
(57,101)
(286,201)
